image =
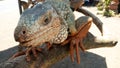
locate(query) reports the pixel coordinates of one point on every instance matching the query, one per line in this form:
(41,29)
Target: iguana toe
(74,45)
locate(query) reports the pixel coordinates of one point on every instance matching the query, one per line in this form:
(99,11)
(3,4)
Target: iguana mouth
(37,38)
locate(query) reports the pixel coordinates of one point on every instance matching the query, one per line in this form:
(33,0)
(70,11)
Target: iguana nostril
(23,32)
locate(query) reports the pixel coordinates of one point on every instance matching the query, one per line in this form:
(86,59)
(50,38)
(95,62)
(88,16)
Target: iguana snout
(20,34)
(37,26)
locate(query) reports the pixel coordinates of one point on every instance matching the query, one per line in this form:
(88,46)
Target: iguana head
(37,25)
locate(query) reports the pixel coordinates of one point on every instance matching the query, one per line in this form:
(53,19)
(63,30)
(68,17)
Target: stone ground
(9,16)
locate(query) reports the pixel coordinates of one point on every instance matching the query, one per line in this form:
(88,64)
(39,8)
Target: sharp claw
(34,52)
(72,51)
(65,42)
(81,46)
(28,58)
(39,49)
(18,54)
(48,45)
(77,52)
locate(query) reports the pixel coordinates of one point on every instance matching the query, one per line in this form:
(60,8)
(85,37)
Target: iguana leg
(27,52)
(82,25)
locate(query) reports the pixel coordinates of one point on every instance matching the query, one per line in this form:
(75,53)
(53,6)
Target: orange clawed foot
(75,43)
(76,40)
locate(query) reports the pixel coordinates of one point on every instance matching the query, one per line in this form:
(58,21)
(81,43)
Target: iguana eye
(46,21)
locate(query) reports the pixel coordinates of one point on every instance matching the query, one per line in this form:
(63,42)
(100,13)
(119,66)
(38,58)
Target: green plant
(109,13)
(100,6)
(104,6)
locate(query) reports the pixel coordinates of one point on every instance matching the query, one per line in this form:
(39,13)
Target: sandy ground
(9,16)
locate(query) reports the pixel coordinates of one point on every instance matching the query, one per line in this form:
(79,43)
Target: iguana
(51,22)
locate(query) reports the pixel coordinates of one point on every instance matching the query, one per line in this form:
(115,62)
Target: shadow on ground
(88,60)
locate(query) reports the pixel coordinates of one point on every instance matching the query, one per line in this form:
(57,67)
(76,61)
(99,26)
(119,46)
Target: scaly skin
(50,22)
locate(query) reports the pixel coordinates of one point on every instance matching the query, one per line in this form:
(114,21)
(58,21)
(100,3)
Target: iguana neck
(62,35)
